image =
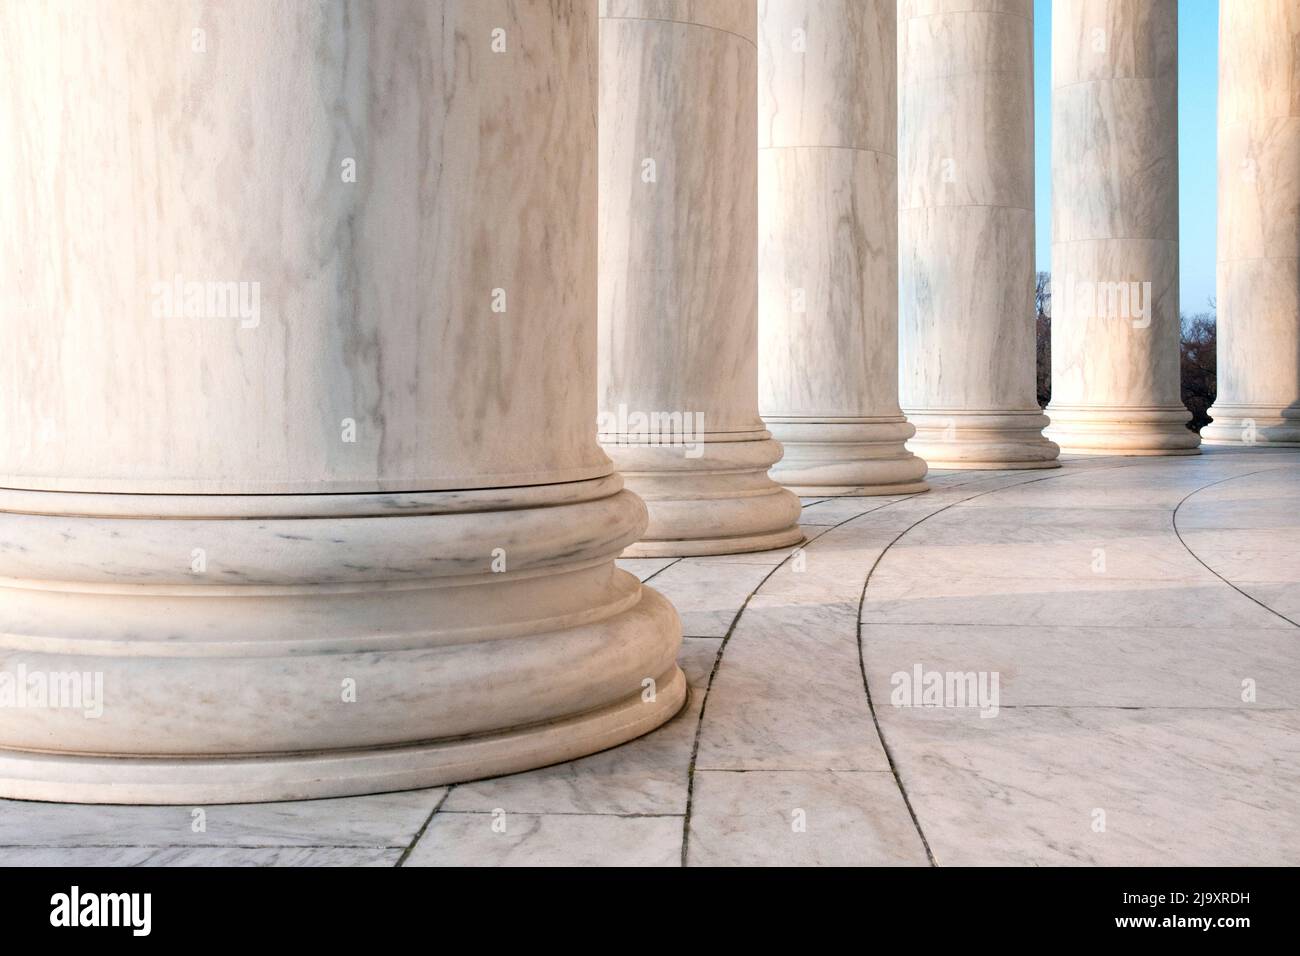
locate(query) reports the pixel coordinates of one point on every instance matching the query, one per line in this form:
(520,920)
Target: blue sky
(1198,46)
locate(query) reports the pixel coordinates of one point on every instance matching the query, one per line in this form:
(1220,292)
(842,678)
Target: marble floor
(1115,646)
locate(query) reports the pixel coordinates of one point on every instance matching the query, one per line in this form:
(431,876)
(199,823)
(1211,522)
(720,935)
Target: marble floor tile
(381,820)
(816,818)
(834,511)
(645,568)
(1106,553)
(1171,787)
(1258,564)
(1283,598)
(468,839)
(768,559)
(708,594)
(93,856)
(1094,666)
(1038,602)
(788,695)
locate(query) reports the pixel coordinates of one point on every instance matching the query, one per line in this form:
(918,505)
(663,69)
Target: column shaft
(678,290)
(828,264)
(299,484)
(1258,280)
(966,234)
(1115,322)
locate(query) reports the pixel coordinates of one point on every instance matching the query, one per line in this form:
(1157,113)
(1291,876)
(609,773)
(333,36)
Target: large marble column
(1115,323)
(966,234)
(1259,225)
(828,244)
(299,490)
(678,396)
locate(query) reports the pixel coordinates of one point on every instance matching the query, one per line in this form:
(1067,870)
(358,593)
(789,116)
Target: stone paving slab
(387,819)
(91,856)
(1177,787)
(523,839)
(801,818)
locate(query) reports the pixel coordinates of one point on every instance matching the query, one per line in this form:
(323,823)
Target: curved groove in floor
(1209,567)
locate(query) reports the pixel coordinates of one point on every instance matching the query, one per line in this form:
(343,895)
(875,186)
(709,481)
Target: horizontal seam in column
(1027,74)
(687,23)
(1260,259)
(1066,242)
(954,13)
(964,205)
(1110,79)
(1271,118)
(853,149)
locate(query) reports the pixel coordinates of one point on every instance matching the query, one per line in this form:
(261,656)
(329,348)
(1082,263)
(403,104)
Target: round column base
(1270,426)
(271,777)
(1096,430)
(219,648)
(982,440)
(719,502)
(847,457)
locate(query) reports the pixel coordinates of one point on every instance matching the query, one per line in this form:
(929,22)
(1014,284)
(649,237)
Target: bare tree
(1199,364)
(1043,326)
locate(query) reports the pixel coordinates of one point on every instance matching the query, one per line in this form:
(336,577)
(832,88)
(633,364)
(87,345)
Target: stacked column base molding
(860,456)
(960,438)
(1104,430)
(1253,425)
(332,644)
(722,502)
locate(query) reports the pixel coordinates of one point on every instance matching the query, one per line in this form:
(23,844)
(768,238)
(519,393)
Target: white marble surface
(444,604)
(966,234)
(677,294)
(801,818)
(1258,291)
(1115,311)
(386,820)
(130,157)
(1142,721)
(827,253)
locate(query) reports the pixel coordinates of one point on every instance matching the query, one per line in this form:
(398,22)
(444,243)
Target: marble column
(1115,323)
(678,393)
(827,248)
(299,492)
(966,234)
(1258,279)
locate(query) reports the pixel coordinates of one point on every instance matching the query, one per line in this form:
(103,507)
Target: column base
(217,648)
(1272,426)
(721,502)
(1094,430)
(269,777)
(847,457)
(964,439)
